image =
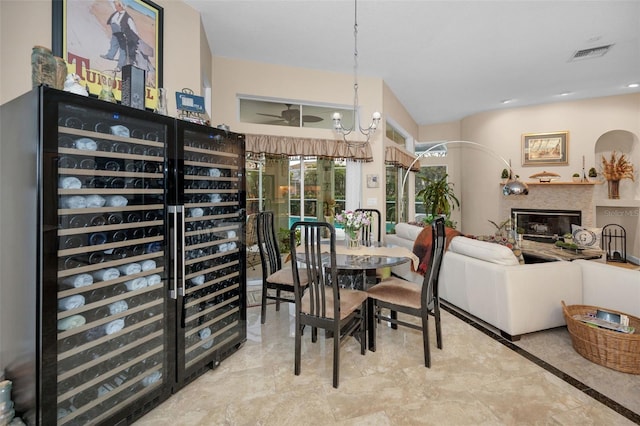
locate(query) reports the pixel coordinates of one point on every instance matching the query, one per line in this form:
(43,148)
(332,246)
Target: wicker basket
(618,351)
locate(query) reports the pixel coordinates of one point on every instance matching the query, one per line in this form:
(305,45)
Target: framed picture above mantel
(545,149)
(97,38)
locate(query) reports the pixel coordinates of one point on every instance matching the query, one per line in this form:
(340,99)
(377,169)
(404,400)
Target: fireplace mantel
(555,196)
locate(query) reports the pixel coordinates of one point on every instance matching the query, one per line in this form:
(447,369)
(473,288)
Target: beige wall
(182,64)
(395,111)
(236,77)
(501,131)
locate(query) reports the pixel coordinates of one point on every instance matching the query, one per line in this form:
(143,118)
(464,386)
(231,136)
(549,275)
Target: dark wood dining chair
(321,303)
(274,277)
(373,232)
(400,296)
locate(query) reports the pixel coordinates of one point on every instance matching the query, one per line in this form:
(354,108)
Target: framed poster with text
(98,37)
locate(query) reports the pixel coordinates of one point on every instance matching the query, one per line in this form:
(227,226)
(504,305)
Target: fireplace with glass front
(545,225)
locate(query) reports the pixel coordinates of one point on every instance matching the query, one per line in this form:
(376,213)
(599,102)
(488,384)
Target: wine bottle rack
(111,254)
(213,227)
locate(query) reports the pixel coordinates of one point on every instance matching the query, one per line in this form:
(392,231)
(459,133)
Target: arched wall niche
(622,142)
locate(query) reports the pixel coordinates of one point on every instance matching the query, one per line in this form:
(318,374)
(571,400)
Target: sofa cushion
(408,231)
(489,252)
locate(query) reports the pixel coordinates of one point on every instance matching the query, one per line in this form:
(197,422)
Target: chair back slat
(320,268)
(268,243)
(373,232)
(430,284)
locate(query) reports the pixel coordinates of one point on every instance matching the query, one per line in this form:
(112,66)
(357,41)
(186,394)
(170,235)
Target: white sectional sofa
(487,281)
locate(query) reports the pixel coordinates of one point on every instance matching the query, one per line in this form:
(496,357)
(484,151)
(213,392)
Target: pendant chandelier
(337,117)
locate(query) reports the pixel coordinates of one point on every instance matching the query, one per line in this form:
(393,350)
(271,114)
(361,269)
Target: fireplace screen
(545,225)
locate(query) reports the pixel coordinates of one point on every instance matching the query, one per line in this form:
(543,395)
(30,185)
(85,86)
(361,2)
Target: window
(288,113)
(436,149)
(432,173)
(392,193)
(394,134)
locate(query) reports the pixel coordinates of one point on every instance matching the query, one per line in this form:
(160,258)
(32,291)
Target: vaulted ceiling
(444,60)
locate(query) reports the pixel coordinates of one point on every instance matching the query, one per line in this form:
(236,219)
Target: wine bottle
(88,164)
(83,398)
(95,258)
(112,165)
(97,182)
(133,217)
(133,166)
(114,219)
(152,167)
(153,231)
(122,148)
(66,162)
(77,221)
(135,233)
(153,215)
(119,236)
(115,182)
(98,220)
(97,238)
(139,150)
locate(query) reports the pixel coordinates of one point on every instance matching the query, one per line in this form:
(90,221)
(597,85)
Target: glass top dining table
(357,266)
(373,256)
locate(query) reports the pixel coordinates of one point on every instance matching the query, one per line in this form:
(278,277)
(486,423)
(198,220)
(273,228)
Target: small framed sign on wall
(545,149)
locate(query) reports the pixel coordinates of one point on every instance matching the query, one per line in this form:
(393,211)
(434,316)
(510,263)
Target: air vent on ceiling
(593,52)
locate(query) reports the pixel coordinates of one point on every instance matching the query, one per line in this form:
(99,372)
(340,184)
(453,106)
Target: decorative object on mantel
(593,174)
(544,176)
(576,177)
(504,175)
(614,170)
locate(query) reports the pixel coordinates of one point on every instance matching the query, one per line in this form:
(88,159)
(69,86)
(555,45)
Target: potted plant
(576,177)
(593,173)
(438,196)
(504,175)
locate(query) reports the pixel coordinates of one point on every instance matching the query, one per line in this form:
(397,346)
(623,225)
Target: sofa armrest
(610,287)
(516,299)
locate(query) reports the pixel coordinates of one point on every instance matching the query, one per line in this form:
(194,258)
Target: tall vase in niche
(613,187)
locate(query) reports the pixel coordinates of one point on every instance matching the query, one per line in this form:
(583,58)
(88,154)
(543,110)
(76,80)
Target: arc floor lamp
(513,186)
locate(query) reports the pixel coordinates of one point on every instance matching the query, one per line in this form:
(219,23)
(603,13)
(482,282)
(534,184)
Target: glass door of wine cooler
(212,314)
(111,334)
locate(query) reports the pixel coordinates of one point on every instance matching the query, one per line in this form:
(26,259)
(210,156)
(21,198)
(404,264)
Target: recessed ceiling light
(506,101)
(633,85)
(564,94)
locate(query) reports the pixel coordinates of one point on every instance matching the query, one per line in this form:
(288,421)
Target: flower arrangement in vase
(615,169)
(353,223)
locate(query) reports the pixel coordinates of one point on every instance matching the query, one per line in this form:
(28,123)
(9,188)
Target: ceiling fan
(292,117)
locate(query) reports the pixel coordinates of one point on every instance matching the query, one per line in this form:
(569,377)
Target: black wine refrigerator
(123,258)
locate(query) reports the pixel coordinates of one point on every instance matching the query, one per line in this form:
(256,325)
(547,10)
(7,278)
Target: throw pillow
(586,237)
(422,246)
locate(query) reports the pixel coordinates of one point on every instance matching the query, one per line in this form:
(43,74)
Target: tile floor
(474,380)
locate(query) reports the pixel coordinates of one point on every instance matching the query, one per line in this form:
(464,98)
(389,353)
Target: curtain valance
(400,158)
(287,146)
